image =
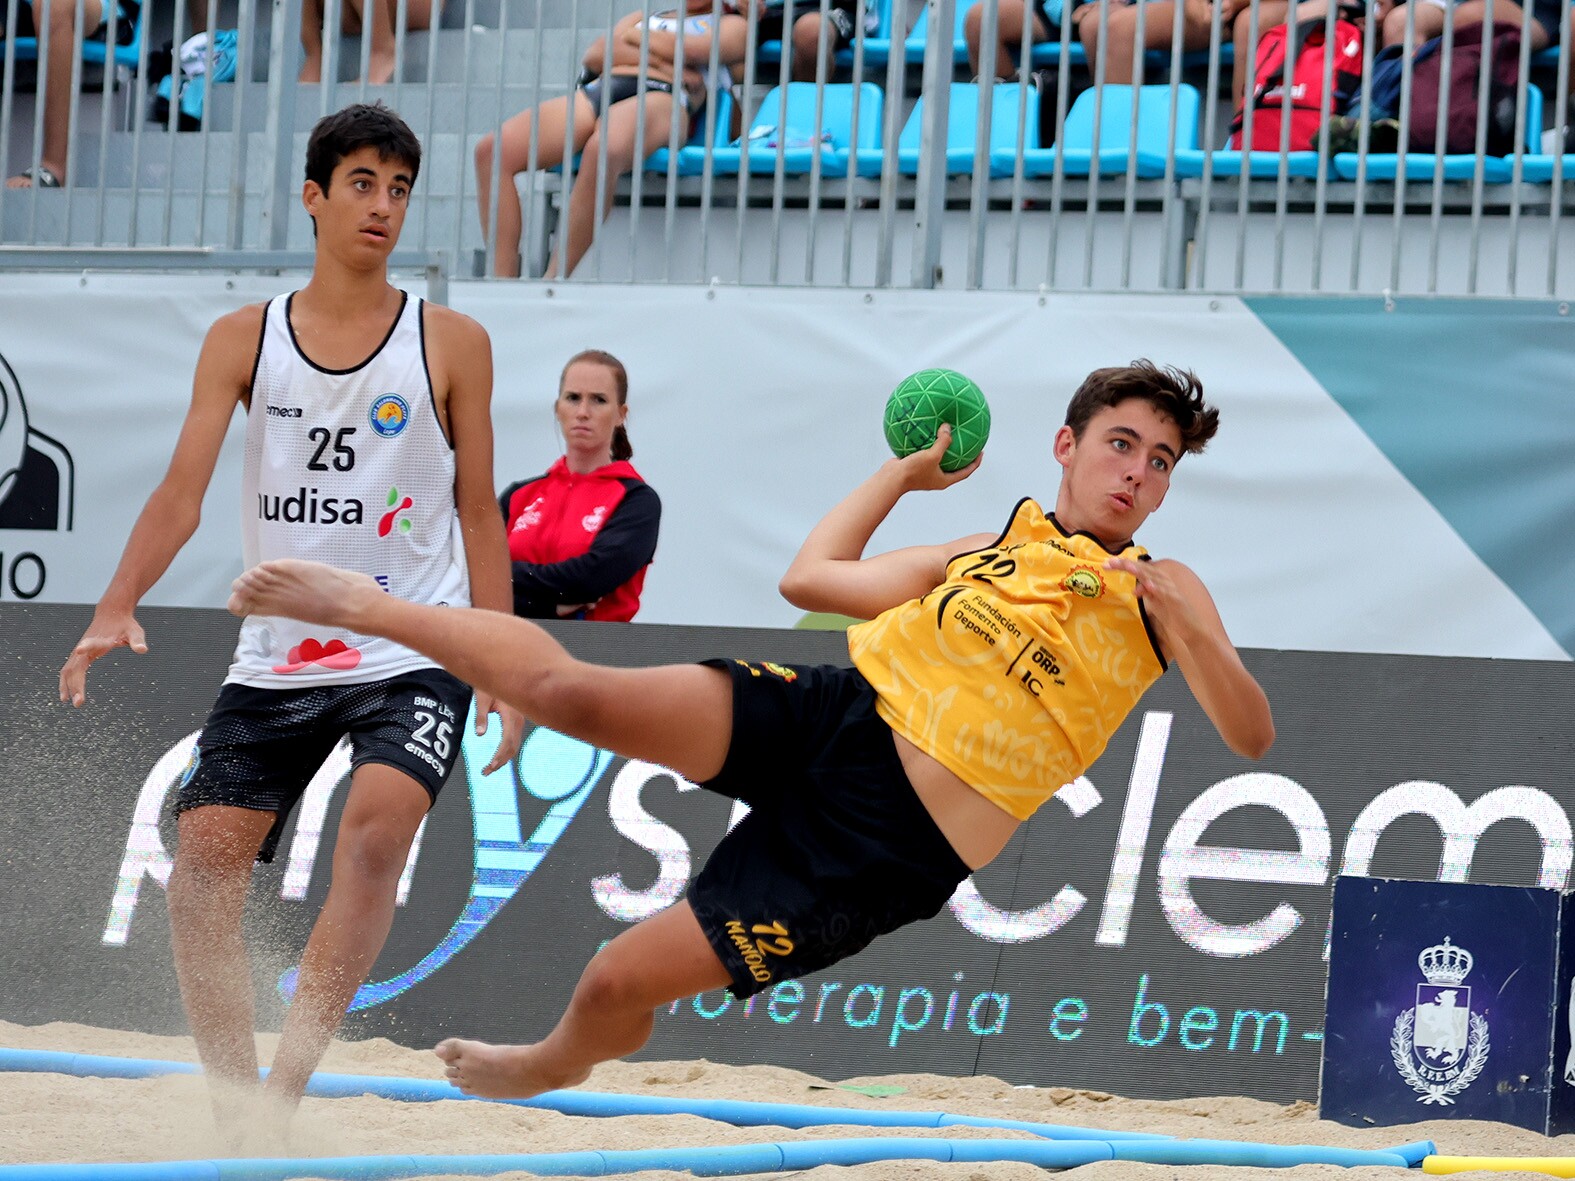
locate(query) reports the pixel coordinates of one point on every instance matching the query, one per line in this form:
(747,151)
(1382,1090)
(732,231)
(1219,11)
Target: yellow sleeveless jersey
(1015,671)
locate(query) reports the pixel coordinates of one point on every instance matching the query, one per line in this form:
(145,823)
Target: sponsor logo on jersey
(591,522)
(335,654)
(1085,581)
(283,411)
(389,415)
(308,506)
(391,519)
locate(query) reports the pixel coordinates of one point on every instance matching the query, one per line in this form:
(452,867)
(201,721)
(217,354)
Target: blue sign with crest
(1444,1001)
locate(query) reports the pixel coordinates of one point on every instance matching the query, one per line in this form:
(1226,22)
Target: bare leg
(1506,15)
(206,896)
(60,15)
(312,40)
(653,963)
(552,129)
(619,136)
(678,716)
(1270,14)
(806,47)
(1121,53)
(380,820)
(1429,22)
(1008,36)
(377,22)
(381,63)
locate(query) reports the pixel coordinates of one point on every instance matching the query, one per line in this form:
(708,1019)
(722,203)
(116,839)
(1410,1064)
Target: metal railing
(872,164)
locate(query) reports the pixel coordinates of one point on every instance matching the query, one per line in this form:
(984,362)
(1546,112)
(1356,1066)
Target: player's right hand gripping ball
(924,400)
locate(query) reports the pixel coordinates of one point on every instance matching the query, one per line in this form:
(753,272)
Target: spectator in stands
(803,16)
(353,21)
(582,535)
(1009,16)
(60,18)
(1237,15)
(624,93)
(1543,26)
(1123,55)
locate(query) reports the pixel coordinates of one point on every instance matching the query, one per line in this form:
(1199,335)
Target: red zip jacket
(576,539)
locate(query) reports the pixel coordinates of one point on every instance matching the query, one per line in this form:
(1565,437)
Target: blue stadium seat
(1420,166)
(124,56)
(835,131)
(877,48)
(691,157)
(1075,143)
(1539,168)
(1260,165)
(962,117)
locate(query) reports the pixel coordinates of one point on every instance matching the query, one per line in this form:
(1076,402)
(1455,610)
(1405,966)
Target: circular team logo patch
(190,768)
(389,415)
(1085,581)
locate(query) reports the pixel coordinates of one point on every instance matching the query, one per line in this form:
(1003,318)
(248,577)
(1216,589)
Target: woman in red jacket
(582,535)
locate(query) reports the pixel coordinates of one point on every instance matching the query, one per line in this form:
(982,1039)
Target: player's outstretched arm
(174,509)
(830,573)
(465,353)
(1193,636)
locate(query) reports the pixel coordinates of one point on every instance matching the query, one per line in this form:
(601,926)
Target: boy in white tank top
(369,444)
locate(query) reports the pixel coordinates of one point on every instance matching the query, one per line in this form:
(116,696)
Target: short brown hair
(621,447)
(360,125)
(1176,393)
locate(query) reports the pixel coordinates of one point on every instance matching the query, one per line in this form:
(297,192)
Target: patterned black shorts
(260,747)
(836,850)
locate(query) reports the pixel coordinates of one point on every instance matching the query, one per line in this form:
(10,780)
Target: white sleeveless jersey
(350,468)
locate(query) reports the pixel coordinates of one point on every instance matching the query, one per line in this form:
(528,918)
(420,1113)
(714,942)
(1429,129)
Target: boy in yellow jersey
(991,672)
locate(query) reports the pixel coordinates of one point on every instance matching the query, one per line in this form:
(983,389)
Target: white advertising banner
(753,410)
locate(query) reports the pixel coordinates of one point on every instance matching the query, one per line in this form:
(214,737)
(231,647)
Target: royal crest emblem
(1439,1045)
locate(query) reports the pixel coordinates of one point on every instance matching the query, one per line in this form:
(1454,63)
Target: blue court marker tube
(740,1113)
(1236,1152)
(707,1161)
(1415,1152)
(1048,1131)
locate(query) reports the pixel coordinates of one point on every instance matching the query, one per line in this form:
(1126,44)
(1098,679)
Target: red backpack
(1310,106)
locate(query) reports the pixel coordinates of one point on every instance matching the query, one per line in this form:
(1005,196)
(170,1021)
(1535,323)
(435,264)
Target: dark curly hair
(360,125)
(1176,393)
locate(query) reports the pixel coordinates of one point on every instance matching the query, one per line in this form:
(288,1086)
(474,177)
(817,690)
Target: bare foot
(239,1114)
(308,591)
(499,1072)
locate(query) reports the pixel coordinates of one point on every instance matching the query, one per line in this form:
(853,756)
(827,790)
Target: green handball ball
(924,400)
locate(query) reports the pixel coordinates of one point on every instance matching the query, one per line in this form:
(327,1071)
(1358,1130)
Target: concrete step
(184,164)
(443,105)
(76,217)
(471,56)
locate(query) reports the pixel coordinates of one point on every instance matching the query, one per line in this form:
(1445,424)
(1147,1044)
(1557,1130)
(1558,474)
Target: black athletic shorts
(840,16)
(836,850)
(260,747)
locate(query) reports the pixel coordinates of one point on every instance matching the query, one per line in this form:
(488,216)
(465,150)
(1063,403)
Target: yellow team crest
(1085,581)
